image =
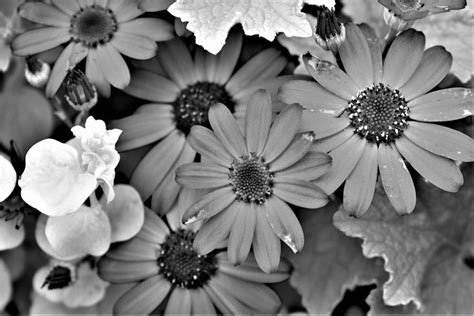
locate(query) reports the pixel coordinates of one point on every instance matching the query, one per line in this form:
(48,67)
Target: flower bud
(81,94)
(395,23)
(329,32)
(36,72)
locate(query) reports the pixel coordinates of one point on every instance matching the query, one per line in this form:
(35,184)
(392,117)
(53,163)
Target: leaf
(424,252)
(453,30)
(363,11)
(329,264)
(211,20)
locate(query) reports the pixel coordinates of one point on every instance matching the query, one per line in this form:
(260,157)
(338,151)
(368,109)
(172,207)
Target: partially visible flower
(59,177)
(377,111)
(417,9)
(9,26)
(182,91)
(395,23)
(12,266)
(329,33)
(99,31)
(162,260)
(36,72)
(91,230)
(252,179)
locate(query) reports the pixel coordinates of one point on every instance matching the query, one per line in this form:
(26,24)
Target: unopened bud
(36,72)
(329,32)
(60,276)
(396,23)
(81,94)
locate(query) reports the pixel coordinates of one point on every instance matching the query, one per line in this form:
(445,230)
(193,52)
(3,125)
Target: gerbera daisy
(183,90)
(377,111)
(100,30)
(172,276)
(253,178)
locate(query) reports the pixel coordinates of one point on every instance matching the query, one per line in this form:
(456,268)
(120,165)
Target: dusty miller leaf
(329,264)
(424,252)
(211,20)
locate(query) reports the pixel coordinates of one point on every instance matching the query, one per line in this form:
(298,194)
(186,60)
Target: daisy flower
(379,110)
(182,91)
(161,259)
(417,9)
(97,30)
(252,178)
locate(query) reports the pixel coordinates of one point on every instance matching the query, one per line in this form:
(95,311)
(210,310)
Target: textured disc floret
(181,265)
(251,179)
(93,25)
(192,105)
(379,114)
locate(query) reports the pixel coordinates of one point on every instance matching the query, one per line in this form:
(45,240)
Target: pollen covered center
(93,25)
(251,179)
(192,105)
(379,114)
(181,265)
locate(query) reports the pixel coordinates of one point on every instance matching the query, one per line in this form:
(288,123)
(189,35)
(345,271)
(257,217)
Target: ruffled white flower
(58,178)
(7,178)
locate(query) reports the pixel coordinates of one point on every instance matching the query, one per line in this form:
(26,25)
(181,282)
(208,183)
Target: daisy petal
(53,181)
(257,121)
(322,123)
(201,303)
(440,171)
(227,304)
(154,5)
(86,231)
(266,244)
(241,233)
(331,77)
(141,129)
(282,132)
(206,143)
(299,192)
(177,62)
(312,166)
(443,105)
(44,14)
(116,271)
(126,10)
(441,140)
(215,230)
(153,168)
(360,185)
(403,57)
(112,66)
(433,67)
(202,176)
(134,250)
(8,178)
(67,6)
(284,223)
(355,56)
(344,159)
(375,50)
(134,46)
(328,144)
(179,302)
(227,58)
(396,180)
(153,87)
(144,297)
(266,64)
(10,236)
(39,40)
(297,149)
(95,75)
(125,213)
(209,205)
(155,29)
(226,130)
(154,230)
(310,95)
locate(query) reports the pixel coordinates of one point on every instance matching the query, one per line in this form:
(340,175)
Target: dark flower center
(183,266)
(59,277)
(251,179)
(93,25)
(379,114)
(81,94)
(192,105)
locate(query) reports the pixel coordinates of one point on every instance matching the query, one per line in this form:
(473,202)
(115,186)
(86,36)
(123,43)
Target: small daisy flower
(59,177)
(97,30)
(91,230)
(182,91)
(161,258)
(252,178)
(378,111)
(417,9)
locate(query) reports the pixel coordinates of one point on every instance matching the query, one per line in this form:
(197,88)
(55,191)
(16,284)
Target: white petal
(7,178)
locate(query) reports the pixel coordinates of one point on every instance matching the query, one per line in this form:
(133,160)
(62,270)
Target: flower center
(251,179)
(192,105)
(408,5)
(379,114)
(59,277)
(93,25)
(183,266)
